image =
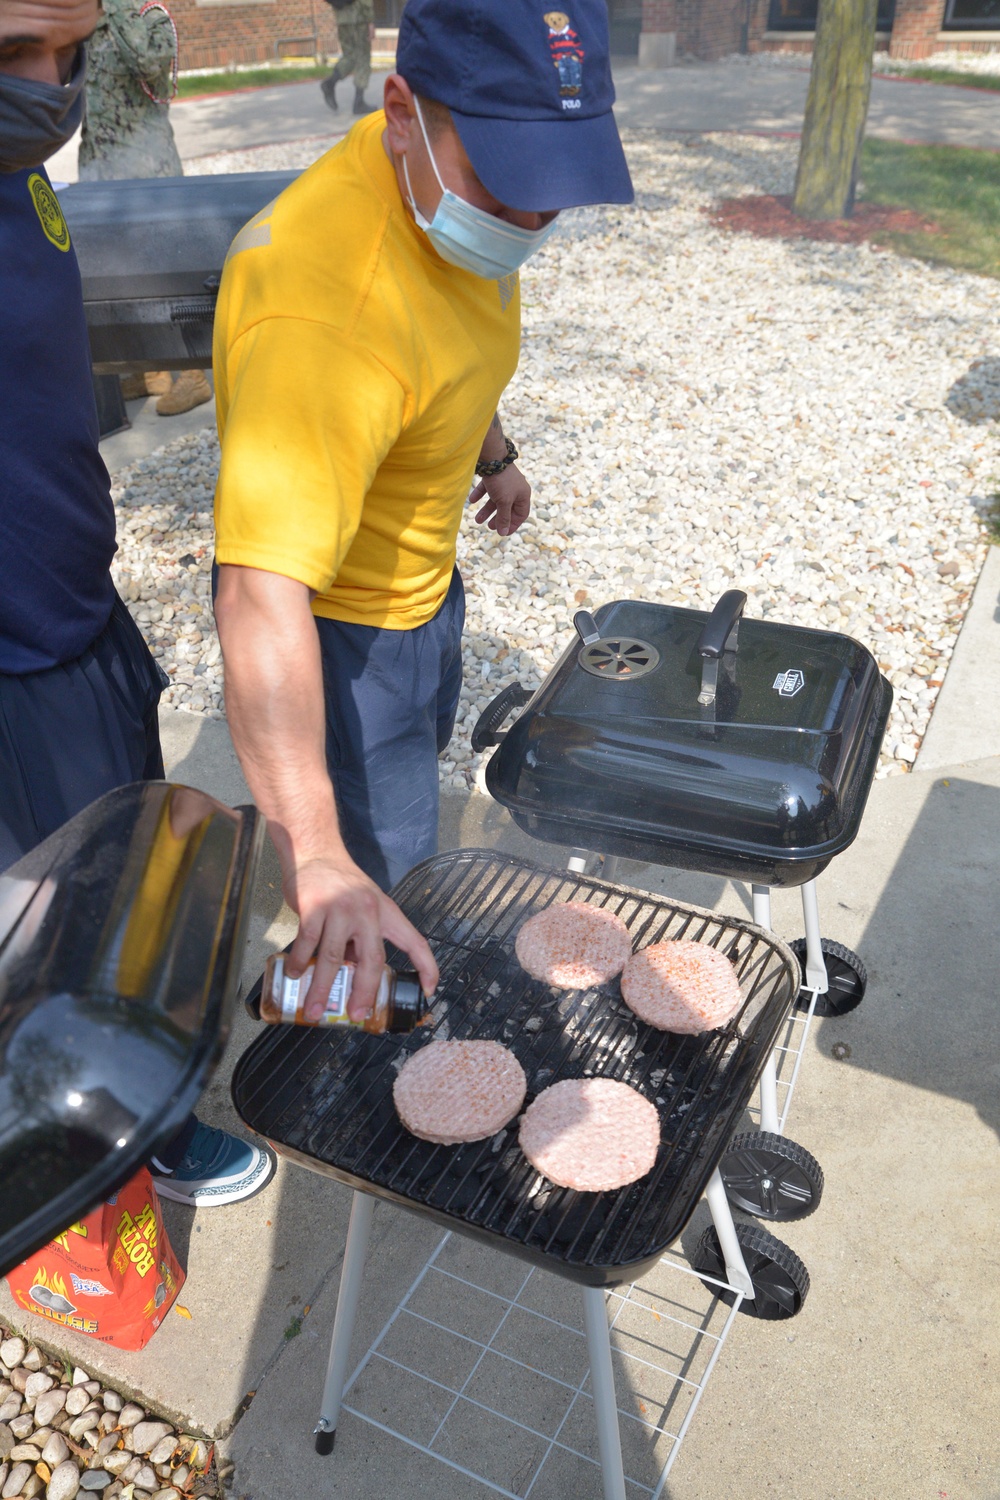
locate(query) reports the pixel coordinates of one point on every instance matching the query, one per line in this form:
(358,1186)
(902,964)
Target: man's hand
(344,915)
(509,500)
(274,702)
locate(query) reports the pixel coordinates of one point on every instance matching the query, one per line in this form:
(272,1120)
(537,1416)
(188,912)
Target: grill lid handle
(486,732)
(719,635)
(586,627)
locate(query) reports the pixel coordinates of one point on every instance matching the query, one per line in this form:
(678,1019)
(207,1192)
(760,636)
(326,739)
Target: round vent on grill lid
(619,658)
(616,658)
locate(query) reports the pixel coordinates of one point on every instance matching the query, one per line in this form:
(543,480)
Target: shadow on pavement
(932,947)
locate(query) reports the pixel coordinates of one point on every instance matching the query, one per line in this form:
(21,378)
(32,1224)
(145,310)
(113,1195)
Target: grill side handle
(719,635)
(486,732)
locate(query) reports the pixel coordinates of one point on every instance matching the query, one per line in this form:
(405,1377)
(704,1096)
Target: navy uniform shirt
(57,523)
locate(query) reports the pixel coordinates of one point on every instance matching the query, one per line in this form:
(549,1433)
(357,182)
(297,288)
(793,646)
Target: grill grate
(325,1097)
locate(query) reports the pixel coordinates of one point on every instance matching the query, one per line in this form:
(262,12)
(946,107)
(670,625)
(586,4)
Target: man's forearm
(494,443)
(275,708)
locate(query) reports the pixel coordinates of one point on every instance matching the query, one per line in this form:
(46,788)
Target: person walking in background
(131,78)
(356,32)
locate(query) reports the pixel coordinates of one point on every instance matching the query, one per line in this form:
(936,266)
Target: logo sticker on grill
(787,684)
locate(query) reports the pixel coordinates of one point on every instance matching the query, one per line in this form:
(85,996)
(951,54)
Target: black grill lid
(746,751)
(121,939)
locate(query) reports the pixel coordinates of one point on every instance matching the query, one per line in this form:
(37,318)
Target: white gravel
(696,411)
(955,62)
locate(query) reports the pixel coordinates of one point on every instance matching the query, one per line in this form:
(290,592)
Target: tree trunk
(836,109)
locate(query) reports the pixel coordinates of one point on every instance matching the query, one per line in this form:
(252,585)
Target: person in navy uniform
(78,687)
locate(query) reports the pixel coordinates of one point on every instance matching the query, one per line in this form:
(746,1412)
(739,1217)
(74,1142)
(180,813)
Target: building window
(388,12)
(972,15)
(800,15)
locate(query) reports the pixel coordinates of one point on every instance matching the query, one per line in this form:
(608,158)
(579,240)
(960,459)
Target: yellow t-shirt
(356,374)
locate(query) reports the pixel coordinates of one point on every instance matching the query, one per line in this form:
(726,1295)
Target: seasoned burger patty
(459,1091)
(591,1134)
(573,945)
(681,986)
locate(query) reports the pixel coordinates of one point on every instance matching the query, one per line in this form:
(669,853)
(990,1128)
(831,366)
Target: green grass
(956,187)
(991,519)
(249,78)
(948,75)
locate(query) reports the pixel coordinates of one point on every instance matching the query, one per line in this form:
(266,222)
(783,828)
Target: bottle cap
(408,1004)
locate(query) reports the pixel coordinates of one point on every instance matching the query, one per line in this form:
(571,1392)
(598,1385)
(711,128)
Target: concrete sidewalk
(695,97)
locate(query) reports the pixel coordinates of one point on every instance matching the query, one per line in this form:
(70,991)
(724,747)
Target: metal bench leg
(815,976)
(602,1379)
(722,1217)
(348,1296)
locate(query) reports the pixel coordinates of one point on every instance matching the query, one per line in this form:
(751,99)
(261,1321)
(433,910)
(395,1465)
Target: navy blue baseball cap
(529,87)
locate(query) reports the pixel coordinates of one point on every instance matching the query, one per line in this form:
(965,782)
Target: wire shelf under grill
(324,1097)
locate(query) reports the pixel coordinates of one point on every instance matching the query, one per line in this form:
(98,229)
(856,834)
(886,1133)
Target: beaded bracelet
(486,468)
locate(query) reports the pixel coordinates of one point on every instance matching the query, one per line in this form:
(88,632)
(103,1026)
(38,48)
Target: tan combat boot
(189,390)
(147,383)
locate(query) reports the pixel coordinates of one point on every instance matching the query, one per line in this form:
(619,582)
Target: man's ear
(400,113)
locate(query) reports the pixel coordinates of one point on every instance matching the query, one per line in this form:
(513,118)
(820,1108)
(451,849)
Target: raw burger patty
(679,986)
(591,1134)
(573,945)
(459,1091)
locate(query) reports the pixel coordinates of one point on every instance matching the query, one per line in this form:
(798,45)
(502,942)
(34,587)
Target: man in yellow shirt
(368,323)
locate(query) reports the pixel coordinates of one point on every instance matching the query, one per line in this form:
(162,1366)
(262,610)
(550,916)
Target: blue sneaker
(216,1168)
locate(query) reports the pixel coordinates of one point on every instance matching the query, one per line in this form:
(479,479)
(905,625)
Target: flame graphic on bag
(50,1292)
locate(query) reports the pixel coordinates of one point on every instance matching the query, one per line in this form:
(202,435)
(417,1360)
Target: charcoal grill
(737,747)
(324,1099)
(151,254)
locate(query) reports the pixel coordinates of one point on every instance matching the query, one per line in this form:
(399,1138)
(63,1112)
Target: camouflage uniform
(353,22)
(125,132)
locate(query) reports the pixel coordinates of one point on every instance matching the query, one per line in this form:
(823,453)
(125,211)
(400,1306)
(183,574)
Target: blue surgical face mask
(469,237)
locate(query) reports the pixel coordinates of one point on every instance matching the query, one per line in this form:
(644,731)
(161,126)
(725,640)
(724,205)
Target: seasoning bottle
(400,1004)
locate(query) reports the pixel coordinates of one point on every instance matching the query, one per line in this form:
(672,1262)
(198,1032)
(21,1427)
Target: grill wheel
(780,1280)
(771,1177)
(846,975)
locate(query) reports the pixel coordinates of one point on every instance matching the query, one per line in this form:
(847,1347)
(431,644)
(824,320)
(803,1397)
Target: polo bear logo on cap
(567,54)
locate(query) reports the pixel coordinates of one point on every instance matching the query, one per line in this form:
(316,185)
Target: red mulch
(772,218)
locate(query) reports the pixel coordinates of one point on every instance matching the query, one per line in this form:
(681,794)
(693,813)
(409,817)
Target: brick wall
(707,28)
(659,15)
(216,35)
(915,28)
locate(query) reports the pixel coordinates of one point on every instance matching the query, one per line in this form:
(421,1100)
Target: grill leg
(761,898)
(602,1379)
(348,1296)
(815,962)
(722,1217)
(769,1097)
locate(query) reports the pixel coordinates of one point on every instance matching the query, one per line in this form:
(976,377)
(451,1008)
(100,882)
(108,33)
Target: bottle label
(290,998)
(335,1010)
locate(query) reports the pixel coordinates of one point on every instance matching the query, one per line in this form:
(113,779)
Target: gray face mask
(37,118)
